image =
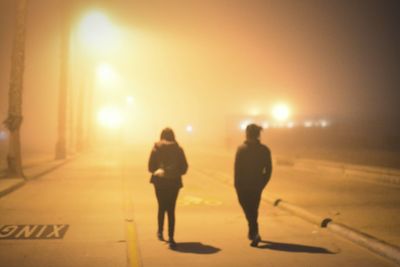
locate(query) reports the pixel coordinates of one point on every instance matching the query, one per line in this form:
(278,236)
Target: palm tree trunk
(14,119)
(61,150)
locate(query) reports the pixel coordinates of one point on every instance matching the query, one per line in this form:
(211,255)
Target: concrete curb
(302,213)
(365,173)
(12,188)
(373,244)
(369,242)
(22,182)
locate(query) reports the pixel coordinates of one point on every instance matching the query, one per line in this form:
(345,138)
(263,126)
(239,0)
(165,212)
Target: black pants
(249,199)
(166,198)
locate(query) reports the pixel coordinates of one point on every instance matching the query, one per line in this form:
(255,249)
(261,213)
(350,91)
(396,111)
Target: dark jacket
(170,157)
(253,165)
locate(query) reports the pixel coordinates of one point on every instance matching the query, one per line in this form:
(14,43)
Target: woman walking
(167,164)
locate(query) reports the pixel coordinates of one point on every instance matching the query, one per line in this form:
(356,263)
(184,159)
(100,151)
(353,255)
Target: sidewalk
(82,205)
(8,185)
(33,167)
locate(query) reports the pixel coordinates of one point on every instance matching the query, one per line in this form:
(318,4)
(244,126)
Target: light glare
(97,32)
(189,128)
(281,112)
(129,100)
(110,117)
(244,124)
(106,74)
(308,124)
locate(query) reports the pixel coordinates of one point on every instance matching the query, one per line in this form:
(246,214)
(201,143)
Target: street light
(281,112)
(189,128)
(98,38)
(110,117)
(97,32)
(129,100)
(106,75)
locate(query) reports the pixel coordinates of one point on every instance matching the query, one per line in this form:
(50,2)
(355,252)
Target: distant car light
(290,125)
(244,124)
(308,124)
(323,123)
(265,125)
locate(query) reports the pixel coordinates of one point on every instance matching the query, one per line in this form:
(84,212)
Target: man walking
(253,168)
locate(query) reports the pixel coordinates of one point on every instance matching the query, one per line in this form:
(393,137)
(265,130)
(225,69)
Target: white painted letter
(8,231)
(56,231)
(26,231)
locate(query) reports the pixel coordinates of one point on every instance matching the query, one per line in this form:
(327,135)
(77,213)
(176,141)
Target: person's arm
(238,165)
(268,167)
(153,160)
(183,162)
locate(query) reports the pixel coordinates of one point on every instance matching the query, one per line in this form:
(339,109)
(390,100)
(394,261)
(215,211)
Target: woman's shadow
(296,248)
(195,247)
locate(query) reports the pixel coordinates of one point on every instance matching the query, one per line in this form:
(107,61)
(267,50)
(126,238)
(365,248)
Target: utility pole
(90,112)
(80,112)
(14,119)
(61,150)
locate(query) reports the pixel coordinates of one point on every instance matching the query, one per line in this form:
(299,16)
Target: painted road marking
(29,231)
(133,250)
(194,200)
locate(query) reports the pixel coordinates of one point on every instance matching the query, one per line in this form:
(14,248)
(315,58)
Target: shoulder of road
(33,168)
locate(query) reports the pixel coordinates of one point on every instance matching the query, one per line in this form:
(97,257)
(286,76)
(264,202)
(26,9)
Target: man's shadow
(296,248)
(196,248)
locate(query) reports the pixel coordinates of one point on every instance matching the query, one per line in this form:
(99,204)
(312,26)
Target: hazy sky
(196,60)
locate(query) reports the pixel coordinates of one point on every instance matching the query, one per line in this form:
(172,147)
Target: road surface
(100,210)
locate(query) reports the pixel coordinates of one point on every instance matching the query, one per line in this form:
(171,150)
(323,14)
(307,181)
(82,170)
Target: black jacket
(253,165)
(170,157)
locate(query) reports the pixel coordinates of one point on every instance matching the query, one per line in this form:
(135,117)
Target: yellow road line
(133,250)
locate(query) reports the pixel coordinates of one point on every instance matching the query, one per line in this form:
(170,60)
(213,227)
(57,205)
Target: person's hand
(159,172)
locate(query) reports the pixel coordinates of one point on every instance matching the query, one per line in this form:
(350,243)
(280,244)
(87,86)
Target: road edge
(373,244)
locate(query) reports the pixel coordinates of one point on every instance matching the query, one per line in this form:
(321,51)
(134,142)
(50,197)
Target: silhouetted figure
(167,164)
(253,168)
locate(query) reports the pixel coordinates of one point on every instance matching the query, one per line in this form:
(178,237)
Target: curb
(382,175)
(12,188)
(369,242)
(373,244)
(21,183)
(302,213)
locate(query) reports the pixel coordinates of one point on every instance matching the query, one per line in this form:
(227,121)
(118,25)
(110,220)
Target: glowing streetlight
(106,74)
(97,32)
(110,117)
(129,100)
(189,128)
(281,112)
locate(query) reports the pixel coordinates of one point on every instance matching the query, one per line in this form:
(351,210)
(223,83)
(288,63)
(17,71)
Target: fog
(210,65)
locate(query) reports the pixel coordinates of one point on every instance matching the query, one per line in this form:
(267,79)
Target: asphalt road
(102,212)
(372,208)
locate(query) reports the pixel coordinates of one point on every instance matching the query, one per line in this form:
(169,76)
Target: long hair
(168,135)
